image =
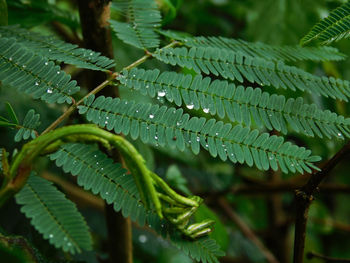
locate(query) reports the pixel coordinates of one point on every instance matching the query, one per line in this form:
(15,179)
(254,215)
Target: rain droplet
(216,133)
(24,66)
(339,134)
(147,86)
(95,155)
(151,116)
(10,59)
(106,193)
(46,63)
(58,72)
(161,93)
(91,54)
(97,163)
(102,169)
(142,239)
(137,111)
(69,244)
(156,137)
(49,90)
(50,50)
(51,236)
(206,110)
(36,83)
(271,157)
(190,106)
(197,139)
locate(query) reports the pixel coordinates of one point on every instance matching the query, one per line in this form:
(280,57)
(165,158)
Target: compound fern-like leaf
(168,126)
(98,173)
(143,17)
(260,50)
(30,123)
(54,216)
(334,27)
(57,50)
(237,103)
(234,65)
(33,74)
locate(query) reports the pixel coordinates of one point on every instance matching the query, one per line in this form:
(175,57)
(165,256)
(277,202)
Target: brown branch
(311,255)
(94,16)
(75,193)
(304,197)
(245,229)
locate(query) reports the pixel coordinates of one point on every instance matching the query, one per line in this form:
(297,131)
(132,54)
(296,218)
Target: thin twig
(104,84)
(245,229)
(304,197)
(72,108)
(311,255)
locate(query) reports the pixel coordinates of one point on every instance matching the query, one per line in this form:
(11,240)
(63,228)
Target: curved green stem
(178,198)
(21,166)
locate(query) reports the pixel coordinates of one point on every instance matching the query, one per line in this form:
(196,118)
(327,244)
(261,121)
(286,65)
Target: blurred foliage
(271,21)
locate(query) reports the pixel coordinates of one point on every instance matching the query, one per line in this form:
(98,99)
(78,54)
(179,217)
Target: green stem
(21,166)
(178,198)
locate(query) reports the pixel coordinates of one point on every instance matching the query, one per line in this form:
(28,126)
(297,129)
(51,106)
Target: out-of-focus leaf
(174,177)
(219,234)
(11,113)
(3,13)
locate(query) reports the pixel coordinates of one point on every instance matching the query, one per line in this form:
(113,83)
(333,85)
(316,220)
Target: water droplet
(147,86)
(58,72)
(178,123)
(107,118)
(271,157)
(161,93)
(50,50)
(339,134)
(91,54)
(69,244)
(51,236)
(190,106)
(216,133)
(156,137)
(135,25)
(197,139)
(206,146)
(97,163)
(36,83)
(206,110)
(106,122)
(292,164)
(102,169)
(49,90)
(95,155)
(142,238)
(10,59)
(24,66)
(46,63)
(151,116)
(106,193)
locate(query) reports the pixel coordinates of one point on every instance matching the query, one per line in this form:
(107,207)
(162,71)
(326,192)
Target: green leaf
(237,66)
(240,104)
(331,28)
(33,74)
(217,137)
(28,129)
(54,216)
(11,113)
(57,50)
(258,49)
(143,19)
